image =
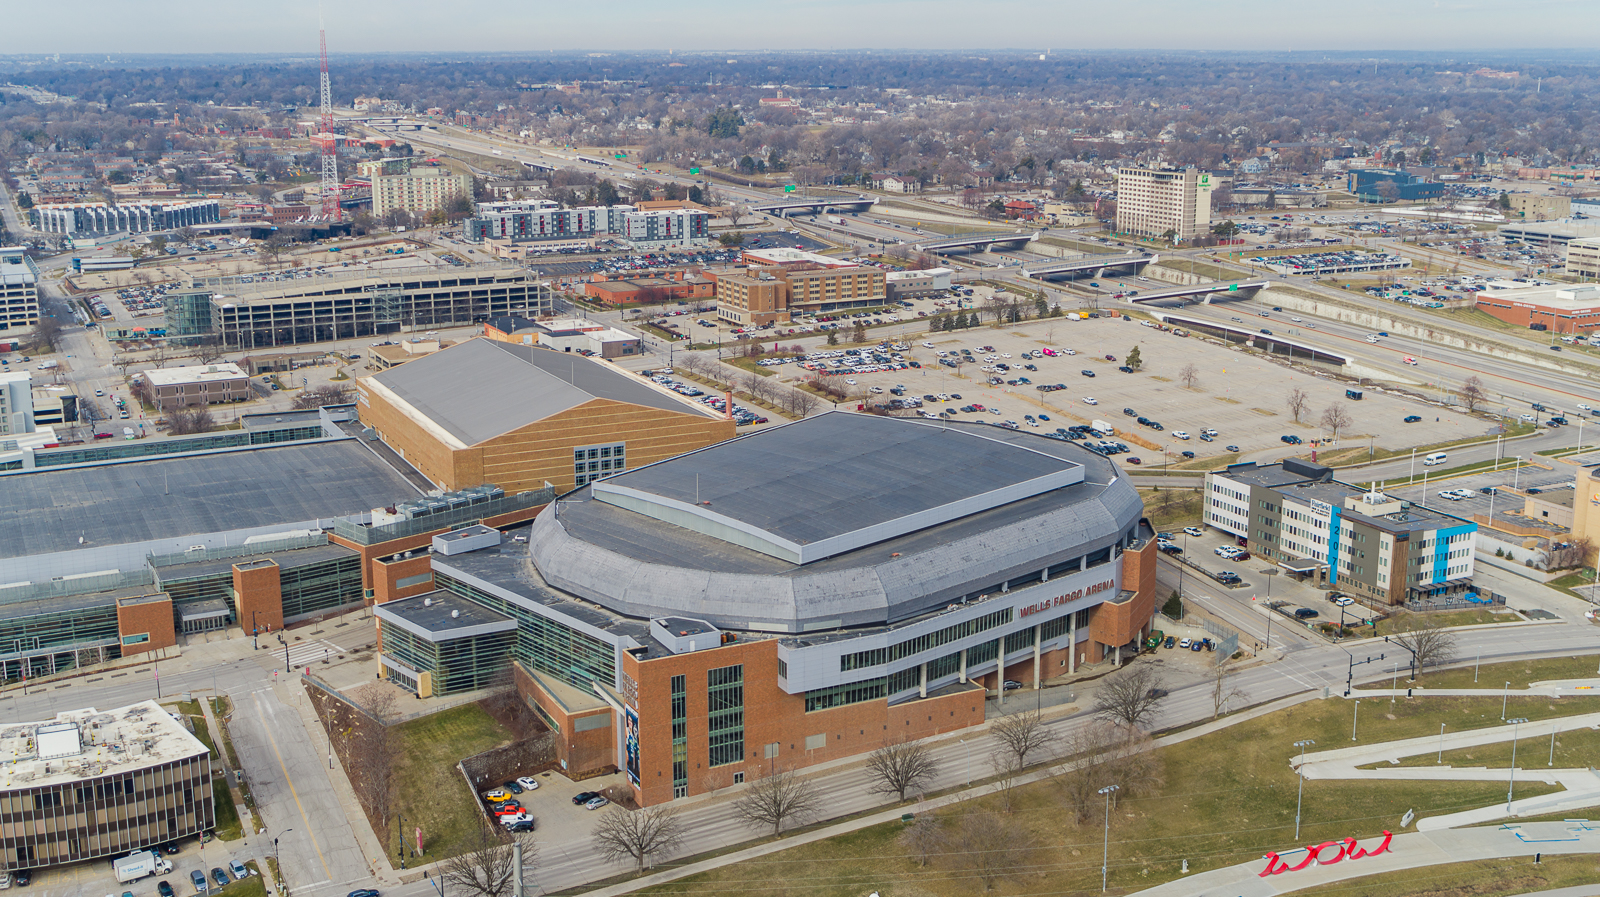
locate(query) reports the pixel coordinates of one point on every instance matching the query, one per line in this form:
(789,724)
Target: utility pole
(1299,772)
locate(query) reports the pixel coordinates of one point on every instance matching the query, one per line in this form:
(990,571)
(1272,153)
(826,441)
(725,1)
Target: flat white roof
(195,373)
(779,255)
(82,744)
(1572,297)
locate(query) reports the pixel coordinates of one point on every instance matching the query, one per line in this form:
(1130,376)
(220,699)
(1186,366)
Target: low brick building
(197,385)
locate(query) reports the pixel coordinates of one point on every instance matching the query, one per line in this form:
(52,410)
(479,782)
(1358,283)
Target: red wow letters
(1326,854)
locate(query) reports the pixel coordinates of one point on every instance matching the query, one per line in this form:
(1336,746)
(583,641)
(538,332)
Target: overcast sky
(361,26)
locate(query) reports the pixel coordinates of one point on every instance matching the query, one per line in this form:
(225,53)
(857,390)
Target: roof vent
(454,614)
(427,602)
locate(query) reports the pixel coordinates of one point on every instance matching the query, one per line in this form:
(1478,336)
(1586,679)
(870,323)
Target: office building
(525,417)
(1156,202)
(758,296)
(666,229)
(16,403)
(197,385)
(1549,234)
(418,191)
(19,291)
(1586,509)
(95,218)
(926,282)
(355,304)
(1539,206)
(545,222)
(1367,543)
(1583,257)
(92,784)
(1386,185)
(1573,309)
(796,596)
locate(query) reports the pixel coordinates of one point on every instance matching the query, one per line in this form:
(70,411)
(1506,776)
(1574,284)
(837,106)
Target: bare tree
(1222,692)
(1336,417)
(804,404)
(1298,401)
(1006,770)
(1189,374)
(777,799)
(487,867)
(1472,393)
(375,753)
(1021,734)
(989,848)
(923,838)
(1430,644)
(1131,699)
(158,355)
(209,349)
(639,834)
(898,768)
(194,419)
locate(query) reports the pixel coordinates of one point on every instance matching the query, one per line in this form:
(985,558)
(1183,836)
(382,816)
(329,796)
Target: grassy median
(430,792)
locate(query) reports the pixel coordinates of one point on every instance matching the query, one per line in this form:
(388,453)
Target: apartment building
(1367,543)
(418,192)
(1153,202)
(19,291)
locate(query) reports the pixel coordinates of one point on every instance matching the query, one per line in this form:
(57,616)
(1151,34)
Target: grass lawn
(1402,620)
(1520,673)
(1567,583)
(1214,462)
(1484,878)
(1225,798)
(228,827)
(429,791)
(1171,507)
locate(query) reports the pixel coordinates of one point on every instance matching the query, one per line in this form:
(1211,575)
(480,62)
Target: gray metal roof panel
(484,388)
(49,510)
(839,473)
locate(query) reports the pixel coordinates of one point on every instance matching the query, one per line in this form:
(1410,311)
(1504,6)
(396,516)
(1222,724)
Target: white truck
(139,864)
(835,219)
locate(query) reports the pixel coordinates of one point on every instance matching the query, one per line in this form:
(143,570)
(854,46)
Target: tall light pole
(1512,782)
(1299,772)
(1356,720)
(1503,695)
(1105,854)
(278,862)
(1441,744)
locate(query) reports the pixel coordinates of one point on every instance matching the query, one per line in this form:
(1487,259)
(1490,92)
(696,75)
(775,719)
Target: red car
(1134,461)
(507,808)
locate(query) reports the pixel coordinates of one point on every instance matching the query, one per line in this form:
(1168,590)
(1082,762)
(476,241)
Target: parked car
(1087,373)
(239,870)
(1413,418)
(512,787)
(1012,685)
(199,879)
(1171,640)
(163,888)
(596,802)
(1304,613)
(1192,531)
(362,892)
(496,795)
(528,784)
(219,876)
(583,797)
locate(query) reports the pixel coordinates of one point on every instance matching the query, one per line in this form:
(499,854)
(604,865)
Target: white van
(1433,459)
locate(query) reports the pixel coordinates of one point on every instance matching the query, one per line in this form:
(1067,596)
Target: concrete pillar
(1072,643)
(516,868)
(1038,655)
(922,690)
(963,665)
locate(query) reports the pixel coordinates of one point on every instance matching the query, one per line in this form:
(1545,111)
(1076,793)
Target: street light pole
(1355,721)
(1503,695)
(1105,855)
(278,862)
(1512,783)
(1441,744)
(1299,772)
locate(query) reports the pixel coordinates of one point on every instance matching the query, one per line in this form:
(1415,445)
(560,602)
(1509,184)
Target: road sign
(788,188)
(1233,288)
(694,171)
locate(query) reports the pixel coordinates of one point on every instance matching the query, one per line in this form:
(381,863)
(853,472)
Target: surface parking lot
(1240,395)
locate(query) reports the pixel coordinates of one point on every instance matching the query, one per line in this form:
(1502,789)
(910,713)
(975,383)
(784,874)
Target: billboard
(630,736)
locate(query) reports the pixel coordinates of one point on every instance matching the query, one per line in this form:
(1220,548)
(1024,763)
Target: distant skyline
(464,26)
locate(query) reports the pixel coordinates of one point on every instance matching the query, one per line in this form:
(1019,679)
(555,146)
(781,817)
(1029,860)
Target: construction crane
(330,148)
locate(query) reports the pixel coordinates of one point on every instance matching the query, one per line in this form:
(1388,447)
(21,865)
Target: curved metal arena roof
(912,515)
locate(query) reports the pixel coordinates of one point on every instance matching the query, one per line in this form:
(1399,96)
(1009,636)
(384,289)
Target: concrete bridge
(1092,265)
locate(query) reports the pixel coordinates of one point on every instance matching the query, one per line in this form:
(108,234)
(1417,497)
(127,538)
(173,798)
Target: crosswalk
(304,654)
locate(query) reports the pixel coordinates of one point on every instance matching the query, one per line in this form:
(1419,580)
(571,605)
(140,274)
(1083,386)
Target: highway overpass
(817,205)
(1091,265)
(1271,342)
(980,241)
(1211,291)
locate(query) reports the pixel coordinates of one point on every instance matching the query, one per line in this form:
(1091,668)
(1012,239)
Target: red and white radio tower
(330,150)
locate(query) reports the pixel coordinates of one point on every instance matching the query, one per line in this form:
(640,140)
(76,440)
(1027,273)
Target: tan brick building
(774,294)
(197,385)
(419,191)
(520,417)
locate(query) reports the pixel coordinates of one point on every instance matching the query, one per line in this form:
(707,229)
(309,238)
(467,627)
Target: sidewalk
(1408,852)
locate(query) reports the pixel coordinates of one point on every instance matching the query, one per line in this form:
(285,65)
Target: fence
(287,542)
(452,519)
(1227,640)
